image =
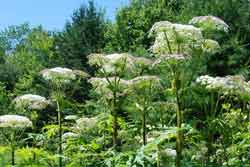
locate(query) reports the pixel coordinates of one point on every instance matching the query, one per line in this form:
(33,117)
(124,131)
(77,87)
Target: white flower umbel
(175,38)
(209,23)
(103,86)
(113,62)
(169,152)
(210,46)
(145,82)
(118,62)
(63,75)
(228,85)
(142,62)
(85,123)
(32,102)
(71,117)
(170,57)
(159,27)
(14,121)
(69,135)
(13,126)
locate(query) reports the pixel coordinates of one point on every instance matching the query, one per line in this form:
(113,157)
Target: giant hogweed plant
(12,128)
(59,79)
(222,92)
(112,85)
(177,46)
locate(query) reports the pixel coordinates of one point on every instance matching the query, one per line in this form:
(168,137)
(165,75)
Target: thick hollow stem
(144,127)
(12,155)
(179,139)
(115,122)
(209,145)
(13,146)
(158,157)
(60,134)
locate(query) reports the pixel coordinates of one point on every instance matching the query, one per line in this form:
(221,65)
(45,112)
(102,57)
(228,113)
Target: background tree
(81,36)
(130,30)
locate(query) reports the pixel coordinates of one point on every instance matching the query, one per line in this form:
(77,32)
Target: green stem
(158,157)
(168,43)
(179,139)
(13,149)
(144,127)
(60,134)
(115,121)
(13,156)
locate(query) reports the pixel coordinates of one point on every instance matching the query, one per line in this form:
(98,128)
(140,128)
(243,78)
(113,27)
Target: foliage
(81,36)
(158,91)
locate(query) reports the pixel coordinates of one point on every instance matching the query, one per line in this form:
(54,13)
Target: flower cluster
(227,85)
(69,135)
(86,123)
(63,75)
(175,38)
(170,57)
(14,121)
(118,63)
(209,23)
(71,117)
(144,82)
(210,46)
(169,152)
(31,102)
(104,86)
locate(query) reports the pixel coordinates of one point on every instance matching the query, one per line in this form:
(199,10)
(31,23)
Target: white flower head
(113,62)
(175,38)
(96,59)
(31,102)
(71,117)
(86,123)
(103,86)
(14,121)
(142,62)
(210,46)
(228,85)
(169,152)
(62,75)
(145,82)
(170,57)
(118,63)
(69,135)
(209,23)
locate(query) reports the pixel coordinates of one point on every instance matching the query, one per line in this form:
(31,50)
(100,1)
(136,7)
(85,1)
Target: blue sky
(52,14)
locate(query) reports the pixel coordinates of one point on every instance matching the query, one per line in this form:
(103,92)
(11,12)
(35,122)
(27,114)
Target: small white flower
(210,23)
(32,102)
(14,121)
